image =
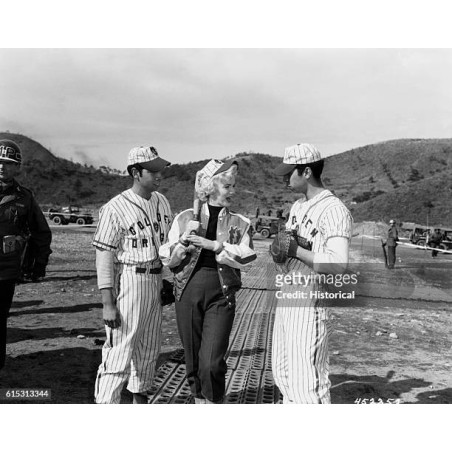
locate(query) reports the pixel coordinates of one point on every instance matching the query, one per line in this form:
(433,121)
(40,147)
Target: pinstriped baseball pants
(130,352)
(300,362)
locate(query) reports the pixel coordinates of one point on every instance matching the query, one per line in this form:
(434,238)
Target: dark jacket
(393,236)
(22,220)
(436,238)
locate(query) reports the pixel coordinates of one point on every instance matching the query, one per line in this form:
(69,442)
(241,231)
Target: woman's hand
(201,242)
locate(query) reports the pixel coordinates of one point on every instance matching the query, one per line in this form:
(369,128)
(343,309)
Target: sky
(94,105)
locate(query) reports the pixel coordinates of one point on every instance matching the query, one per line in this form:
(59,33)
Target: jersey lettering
(128,224)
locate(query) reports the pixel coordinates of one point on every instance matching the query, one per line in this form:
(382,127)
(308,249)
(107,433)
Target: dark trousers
(434,252)
(205,319)
(6,299)
(391,256)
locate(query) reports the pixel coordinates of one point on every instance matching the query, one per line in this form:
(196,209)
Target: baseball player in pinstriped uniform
(132,226)
(323,228)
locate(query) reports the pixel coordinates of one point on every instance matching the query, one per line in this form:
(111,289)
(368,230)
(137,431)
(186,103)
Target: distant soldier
(391,242)
(435,241)
(21,222)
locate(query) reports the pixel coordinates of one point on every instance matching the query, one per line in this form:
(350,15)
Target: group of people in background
(279,213)
(433,239)
(137,236)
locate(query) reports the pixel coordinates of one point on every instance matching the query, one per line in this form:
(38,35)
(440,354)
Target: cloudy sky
(93,105)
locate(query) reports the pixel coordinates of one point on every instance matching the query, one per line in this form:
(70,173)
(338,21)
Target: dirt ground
(56,333)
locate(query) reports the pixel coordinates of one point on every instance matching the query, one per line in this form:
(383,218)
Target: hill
(403,179)
(57,181)
(406,179)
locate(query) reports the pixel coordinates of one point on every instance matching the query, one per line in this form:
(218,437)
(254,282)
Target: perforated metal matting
(249,377)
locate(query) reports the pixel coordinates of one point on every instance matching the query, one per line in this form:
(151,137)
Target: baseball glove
(285,245)
(303,242)
(167,294)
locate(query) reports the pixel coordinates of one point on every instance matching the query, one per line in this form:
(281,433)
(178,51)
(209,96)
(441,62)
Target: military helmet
(10,152)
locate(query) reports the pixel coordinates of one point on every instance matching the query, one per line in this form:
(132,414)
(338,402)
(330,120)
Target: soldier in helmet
(435,241)
(21,222)
(393,237)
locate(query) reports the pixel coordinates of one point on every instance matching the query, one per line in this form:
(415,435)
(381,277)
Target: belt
(151,271)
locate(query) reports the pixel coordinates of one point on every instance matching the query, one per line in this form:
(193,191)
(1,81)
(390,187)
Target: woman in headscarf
(206,257)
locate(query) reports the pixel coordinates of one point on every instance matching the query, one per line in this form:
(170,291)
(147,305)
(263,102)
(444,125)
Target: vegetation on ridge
(406,179)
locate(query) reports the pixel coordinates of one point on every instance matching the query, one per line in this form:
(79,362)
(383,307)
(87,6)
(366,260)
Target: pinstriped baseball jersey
(317,220)
(300,334)
(130,225)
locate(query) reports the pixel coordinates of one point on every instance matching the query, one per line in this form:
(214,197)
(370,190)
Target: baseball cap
(299,154)
(147,157)
(206,174)
(10,152)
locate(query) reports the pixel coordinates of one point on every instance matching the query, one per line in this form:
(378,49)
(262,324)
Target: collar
(318,196)
(206,212)
(6,186)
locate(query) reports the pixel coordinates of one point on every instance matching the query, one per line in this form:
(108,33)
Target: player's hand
(201,242)
(192,227)
(111,316)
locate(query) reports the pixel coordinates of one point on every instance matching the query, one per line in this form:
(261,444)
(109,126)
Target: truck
(70,214)
(420,236)
(446,242)
(267,226)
